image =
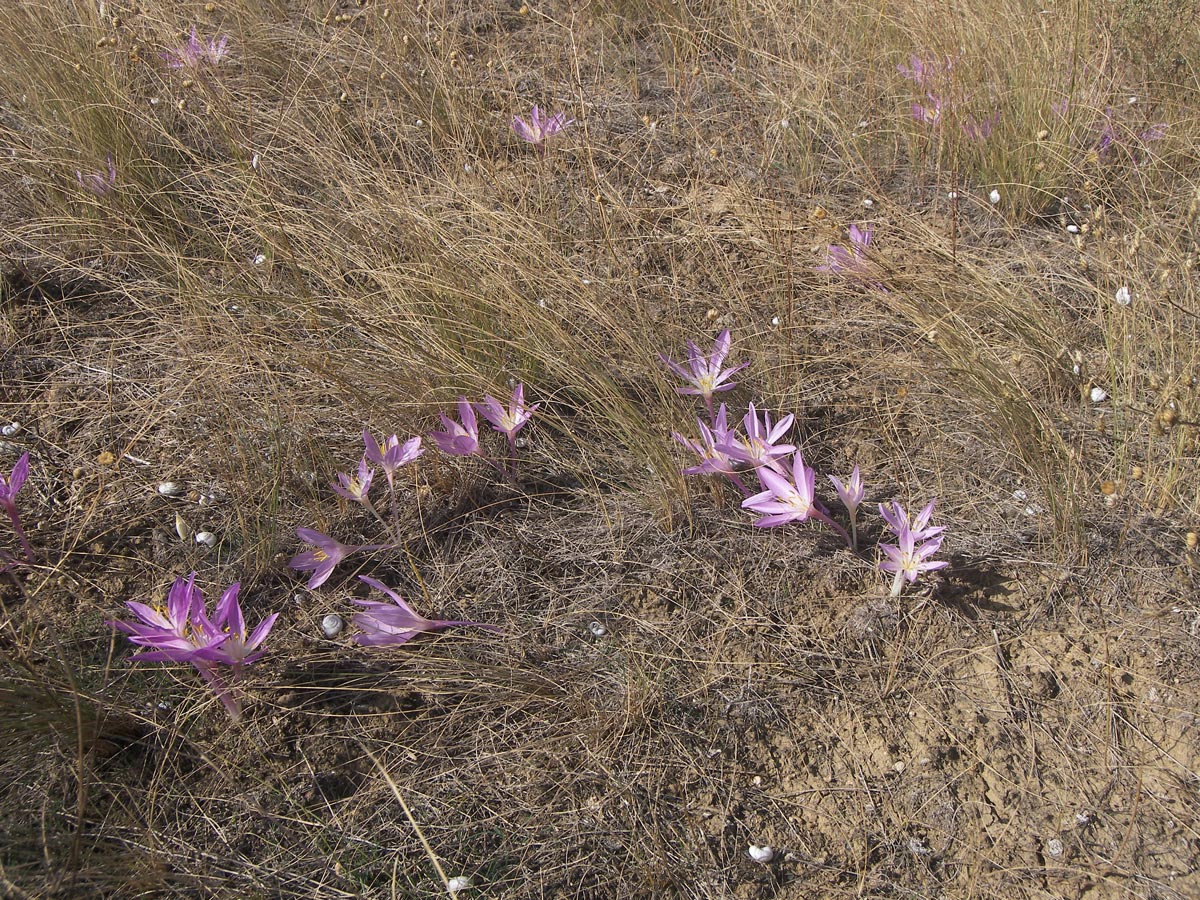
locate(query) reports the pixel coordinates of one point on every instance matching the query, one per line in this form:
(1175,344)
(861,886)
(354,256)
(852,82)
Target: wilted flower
(908,559)
(840,261)
(459,439)
(511,420)
(395,622)
(355,487)
(539,128)
(324,556)
(704,375)
(196,52)
(99,183)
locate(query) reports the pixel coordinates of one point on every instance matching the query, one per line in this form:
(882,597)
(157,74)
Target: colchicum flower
(99,183)
(196,52)
(355,487)
(392,455)
(511,420)
(789,499)
(324,556)
(908,559)
(760,448)
(459,439)
(897,520)
(9,486)
(394,623)
(183,633)
(704,375)
(539,128)
(851,494)
(852,262)
(714,459)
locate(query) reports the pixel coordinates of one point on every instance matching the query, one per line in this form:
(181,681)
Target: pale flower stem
(11,509)
(390,529)
(854,531)
(224,693)
(897,584)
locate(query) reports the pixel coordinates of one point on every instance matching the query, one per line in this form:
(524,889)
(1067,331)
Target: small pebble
(1123,297)
(458,884)
(260,259)
(994,197)
(10,429)
(207,538)
(1072,229)
(761,854)
(868,203)
(1099,395)
(331,625)
(597,629)
(775,320)
(170,488)
(1054,847)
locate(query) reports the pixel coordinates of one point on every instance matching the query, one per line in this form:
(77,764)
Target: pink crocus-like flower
(235,648)
(355,487)
(394,623)
(99,183)
(898,522)
(196,52)
(9,486)
(789,499)
(183,633)
(459,439)
(908,559)
(324,556)
(714,460)
(980,130)
(508,421)
(851,494)
(704,375)
(392,455)
(760,447)
(928,115)
(852,262)
(539,128)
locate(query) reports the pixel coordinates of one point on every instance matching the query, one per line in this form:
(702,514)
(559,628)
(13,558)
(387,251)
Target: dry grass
(336,228)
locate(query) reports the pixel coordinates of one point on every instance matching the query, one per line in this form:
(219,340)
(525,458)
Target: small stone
(597,629)
(868,203)
(459,883)
(260,259)
(10,429)
(1098,395)
(761,855)
(1054,847)
(1072,229)
(171,488)
(1123,297)
(994,197)
(775,320)
(207,538)
(331,625)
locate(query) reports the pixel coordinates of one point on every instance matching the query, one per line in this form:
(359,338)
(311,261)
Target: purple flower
(931,115)
(1060,107)
(979,131)
(714,460)
(195,52)
(393,454)
(852,262)
(511,420)
(789,499)
(355,487)
(323,558)
(459,440)
(760,448)
(539,128)
(915,70)
(908,559)
(394,623)
(9,486)
(234,647)
(704,375)
(851,494)
(183,633)
(99,183)
(898,523)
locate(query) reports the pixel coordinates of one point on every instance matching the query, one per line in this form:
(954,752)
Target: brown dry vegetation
(1022,725)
